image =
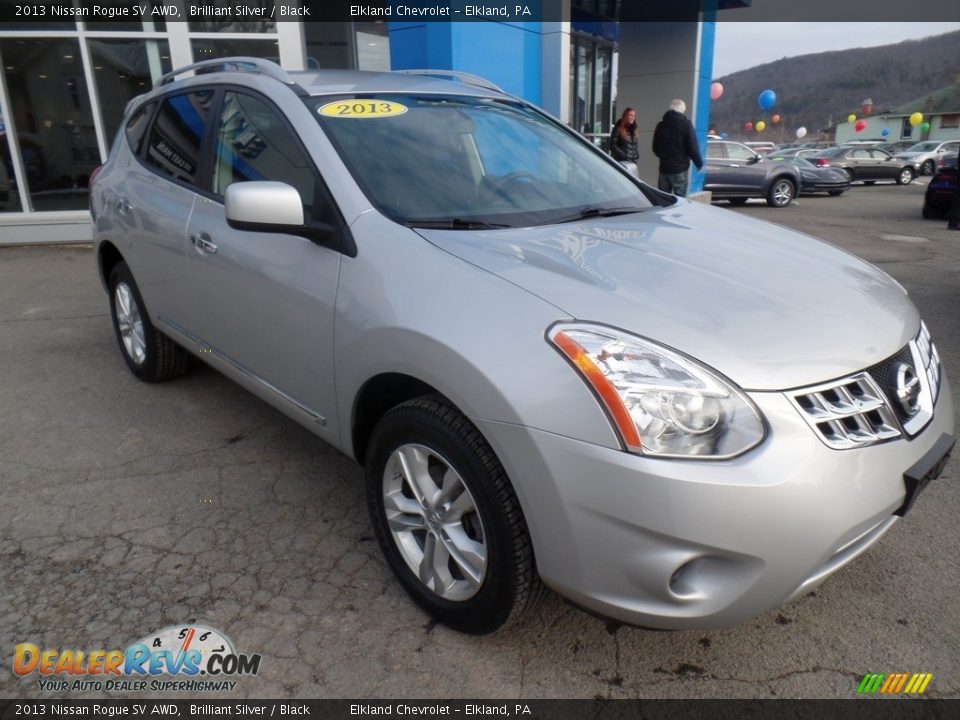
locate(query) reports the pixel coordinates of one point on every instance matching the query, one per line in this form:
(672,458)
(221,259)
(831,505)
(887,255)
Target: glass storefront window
(9,197)
(123,69)
(373,46)
(211,49)
(51,111)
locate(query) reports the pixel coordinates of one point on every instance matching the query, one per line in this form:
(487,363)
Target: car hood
(768,307)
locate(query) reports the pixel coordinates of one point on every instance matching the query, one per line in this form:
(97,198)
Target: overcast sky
(740,45)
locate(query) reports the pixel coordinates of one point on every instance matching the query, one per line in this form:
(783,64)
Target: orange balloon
(775,119)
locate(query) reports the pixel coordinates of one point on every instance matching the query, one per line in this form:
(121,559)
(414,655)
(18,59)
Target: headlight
(660,403)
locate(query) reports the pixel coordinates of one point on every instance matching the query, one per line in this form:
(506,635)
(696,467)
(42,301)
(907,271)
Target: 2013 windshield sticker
(173,659)
(364,109)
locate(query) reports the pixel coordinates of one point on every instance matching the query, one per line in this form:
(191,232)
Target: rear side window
(136,127)
(174,144)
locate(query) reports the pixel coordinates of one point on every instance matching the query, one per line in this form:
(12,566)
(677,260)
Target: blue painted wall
(508,54)
(701,121)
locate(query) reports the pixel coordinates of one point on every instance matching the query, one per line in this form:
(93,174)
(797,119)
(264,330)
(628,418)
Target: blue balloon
(723,136)
(885,132)
(767,99)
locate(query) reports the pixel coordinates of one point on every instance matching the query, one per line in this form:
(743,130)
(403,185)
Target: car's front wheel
(781,193)
(927,168)
(905,177)
(149,354)
(447,518)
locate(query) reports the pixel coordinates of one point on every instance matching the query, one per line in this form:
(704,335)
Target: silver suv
(553,374)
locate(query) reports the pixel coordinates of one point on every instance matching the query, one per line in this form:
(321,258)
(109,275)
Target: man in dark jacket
(675,144)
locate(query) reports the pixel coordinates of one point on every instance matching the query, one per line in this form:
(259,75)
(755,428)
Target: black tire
(850,174)
(737,201)
(438,437)
(781,193)
(927,168)
(932,213)
(152,357)
(905,177)
(835,193)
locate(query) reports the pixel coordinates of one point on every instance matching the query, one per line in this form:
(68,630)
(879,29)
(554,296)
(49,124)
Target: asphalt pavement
(126,508)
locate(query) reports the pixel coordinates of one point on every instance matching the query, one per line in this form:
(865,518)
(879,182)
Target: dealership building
(66,79)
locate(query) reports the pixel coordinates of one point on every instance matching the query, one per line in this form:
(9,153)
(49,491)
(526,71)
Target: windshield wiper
(592,212)
(455,224)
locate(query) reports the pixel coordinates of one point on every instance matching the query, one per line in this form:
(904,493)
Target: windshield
(465,163)
(924,147)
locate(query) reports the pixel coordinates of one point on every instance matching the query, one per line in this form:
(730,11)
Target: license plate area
(924,470)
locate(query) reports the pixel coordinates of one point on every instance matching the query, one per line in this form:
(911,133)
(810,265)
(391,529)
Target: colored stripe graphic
(894,683)
(871,682)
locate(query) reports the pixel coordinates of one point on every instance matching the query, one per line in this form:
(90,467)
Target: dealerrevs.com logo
(190,658)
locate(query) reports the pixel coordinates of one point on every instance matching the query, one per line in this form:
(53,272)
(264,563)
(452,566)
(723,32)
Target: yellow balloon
(760,126)
(851,117)
(916,119)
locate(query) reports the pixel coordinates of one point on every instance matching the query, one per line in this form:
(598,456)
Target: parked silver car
(926,154)
(673,415)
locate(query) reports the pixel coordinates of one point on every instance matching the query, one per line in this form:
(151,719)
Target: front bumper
(701,544)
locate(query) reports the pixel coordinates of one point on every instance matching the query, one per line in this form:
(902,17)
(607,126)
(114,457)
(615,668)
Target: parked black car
(813,179)
(736,173)
(939,194)
(868,164)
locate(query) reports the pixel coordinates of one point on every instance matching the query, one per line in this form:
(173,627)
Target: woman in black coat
(625,137)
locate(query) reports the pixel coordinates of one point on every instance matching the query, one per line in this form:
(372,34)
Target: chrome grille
(848,413)
(864,409)
(930,359)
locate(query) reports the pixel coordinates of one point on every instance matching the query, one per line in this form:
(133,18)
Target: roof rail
(463,77)
(256,66)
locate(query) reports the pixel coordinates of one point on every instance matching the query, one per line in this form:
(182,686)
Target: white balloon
(801,132)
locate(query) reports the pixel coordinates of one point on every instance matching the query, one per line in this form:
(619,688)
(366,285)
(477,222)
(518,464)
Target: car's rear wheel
(149,354)
(850,174)
(927,168)
(447,518)
(905,177)
(737,201)
(781,193)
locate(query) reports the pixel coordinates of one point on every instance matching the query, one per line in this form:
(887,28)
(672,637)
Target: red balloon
(859,125)
(748,126)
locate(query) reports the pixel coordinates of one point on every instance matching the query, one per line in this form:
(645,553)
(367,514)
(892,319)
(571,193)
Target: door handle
(201,241)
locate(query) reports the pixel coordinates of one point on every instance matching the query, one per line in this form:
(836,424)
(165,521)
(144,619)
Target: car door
(264,302)
(861,164)
(884,167)
(717,178)
(747,172)
(154,202)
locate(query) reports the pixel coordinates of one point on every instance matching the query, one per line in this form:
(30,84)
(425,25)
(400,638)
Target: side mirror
(754,160)
(264,206)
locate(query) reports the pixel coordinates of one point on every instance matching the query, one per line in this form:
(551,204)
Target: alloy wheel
(434,522)
(130,323)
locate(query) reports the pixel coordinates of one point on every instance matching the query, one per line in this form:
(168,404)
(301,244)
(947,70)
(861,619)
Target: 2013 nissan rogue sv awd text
(672,415)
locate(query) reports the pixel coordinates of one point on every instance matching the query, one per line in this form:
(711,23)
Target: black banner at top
(17,12)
